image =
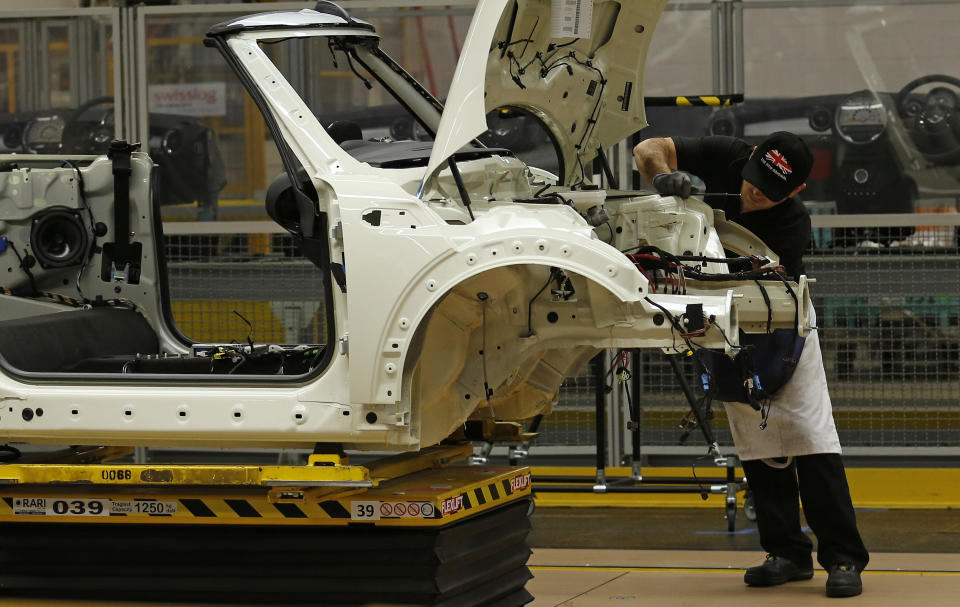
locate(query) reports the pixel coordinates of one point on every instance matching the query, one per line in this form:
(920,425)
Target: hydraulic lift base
(400,531)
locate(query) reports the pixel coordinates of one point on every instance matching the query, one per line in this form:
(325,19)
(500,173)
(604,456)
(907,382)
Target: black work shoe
(774,571)
(844,580)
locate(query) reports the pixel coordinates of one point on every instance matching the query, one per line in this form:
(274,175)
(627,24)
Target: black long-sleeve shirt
(718,160)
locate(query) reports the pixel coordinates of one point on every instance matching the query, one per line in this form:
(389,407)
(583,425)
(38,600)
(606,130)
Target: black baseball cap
(778,165)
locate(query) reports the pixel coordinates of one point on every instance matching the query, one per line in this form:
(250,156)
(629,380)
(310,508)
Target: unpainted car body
(460,283)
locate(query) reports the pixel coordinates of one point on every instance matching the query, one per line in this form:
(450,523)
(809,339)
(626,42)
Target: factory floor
(678,557)
(598,557)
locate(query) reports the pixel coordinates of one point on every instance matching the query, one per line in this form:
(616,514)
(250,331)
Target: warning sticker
(377,510)
(55,506)
(48,506)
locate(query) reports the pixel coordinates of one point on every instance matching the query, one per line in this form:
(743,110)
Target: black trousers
(820,482)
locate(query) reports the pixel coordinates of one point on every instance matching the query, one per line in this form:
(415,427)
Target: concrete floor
(601,578)
(595,557)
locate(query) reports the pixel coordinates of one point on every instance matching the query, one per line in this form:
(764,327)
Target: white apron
(801,416)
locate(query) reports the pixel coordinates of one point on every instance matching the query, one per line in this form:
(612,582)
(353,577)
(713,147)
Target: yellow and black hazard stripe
(263,509)
(489,494)
(416,507)
(693,100)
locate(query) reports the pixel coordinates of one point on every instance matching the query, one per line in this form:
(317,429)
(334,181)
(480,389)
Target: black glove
(677,183)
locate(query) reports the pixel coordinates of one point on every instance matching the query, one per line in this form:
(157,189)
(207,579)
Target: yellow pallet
(411,490)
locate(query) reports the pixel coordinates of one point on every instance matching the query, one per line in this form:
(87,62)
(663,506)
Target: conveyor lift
(408,529)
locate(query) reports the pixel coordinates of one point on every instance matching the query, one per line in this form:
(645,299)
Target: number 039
(78,507)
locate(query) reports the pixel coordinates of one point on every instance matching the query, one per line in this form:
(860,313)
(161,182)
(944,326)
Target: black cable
(603,82)
(703,259)
(609,227)
(542,190)
(631,410)
(33,283)
(249,333)
(530,332)
(764,413)
(648,249)
(583,172)
(674,326)
(704,493)
(546,69)
(353,69)
(551,46)
(82,192)
(509,44)
(696,274)
(671,317)
(93,227)
(529,37)
(729,343)
(515,77)
(796,303)
(513,59)
(487,392)
(766,300)
(333,53)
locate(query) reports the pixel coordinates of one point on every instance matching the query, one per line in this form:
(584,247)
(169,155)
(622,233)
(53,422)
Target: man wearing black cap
(797,453)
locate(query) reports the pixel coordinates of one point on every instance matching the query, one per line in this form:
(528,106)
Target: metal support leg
(517,453)
(733,487)
(634,404)
(600,486)
(481,454)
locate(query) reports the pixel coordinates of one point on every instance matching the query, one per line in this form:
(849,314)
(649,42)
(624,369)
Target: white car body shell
(437,307)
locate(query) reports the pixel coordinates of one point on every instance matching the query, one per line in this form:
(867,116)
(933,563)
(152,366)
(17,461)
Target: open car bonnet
(581,73)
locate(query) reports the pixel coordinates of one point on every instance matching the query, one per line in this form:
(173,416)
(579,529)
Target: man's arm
(655,156)
(657,161)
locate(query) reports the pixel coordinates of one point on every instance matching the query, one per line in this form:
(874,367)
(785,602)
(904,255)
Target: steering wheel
(932,119)
(87,132)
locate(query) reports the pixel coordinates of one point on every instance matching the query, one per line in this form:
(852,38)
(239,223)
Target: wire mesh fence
(226,287)
(573,420)
(888,319)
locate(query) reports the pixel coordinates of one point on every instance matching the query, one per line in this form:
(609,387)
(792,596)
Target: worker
(796,452)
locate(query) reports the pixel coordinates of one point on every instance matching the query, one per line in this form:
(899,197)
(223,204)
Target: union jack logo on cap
(778,161)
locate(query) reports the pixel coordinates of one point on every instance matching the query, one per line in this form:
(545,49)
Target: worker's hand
(677,183)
